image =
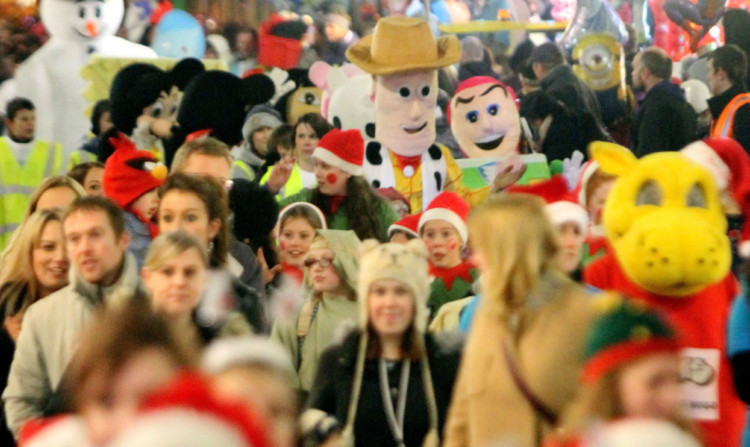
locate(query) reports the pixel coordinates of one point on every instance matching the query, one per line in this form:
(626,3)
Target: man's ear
(124,240)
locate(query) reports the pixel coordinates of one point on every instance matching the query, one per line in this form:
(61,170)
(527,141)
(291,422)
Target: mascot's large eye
(98,12)
(696,197)
(308,98)
(82,12)
(493,109)
(404,91)
(472,116)
(424,90)
(157,110)
(649,194)
(336,122)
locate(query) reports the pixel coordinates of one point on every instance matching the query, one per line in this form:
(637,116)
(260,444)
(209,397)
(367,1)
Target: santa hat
(226,353)
(284,211)
(343,149)
(628,330)
(561,207)
(479,80)
(450,207)
(406,263)
(187,414)
(129,173)
(729,165)
(409,225)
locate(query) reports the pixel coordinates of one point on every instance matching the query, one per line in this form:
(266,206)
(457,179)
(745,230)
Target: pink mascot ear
(319,74)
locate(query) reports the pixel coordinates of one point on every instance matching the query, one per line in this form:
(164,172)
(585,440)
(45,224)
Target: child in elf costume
(405,229)
(667,232)
(403,56)
(131,178)
(443,229)
(632,370)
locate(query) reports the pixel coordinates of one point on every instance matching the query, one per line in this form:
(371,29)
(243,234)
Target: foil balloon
(593,16)
(179,35)
(696,19)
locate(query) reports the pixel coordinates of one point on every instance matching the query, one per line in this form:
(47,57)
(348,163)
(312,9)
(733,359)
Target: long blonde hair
(518,243)
(19,287)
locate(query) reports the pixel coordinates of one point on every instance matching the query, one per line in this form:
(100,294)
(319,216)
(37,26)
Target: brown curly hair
(360,206)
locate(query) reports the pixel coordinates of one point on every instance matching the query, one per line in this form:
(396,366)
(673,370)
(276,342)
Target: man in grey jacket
(103,272)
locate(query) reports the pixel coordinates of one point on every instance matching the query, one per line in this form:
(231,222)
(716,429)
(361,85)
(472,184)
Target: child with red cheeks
(131,179)
(296,231)
(443,229)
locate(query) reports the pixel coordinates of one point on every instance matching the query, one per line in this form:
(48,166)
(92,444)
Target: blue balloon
(179,35)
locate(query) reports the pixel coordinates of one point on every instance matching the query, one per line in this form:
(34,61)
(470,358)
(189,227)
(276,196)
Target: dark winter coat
(563,85)
(741,126)
(331,391)
(664,122)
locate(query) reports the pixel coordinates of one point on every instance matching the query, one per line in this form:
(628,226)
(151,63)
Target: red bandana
(336,203)
(294,272)
(403,162)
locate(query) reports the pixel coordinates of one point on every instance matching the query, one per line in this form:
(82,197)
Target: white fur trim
(585,177)
(565,211)
(704,155)
(395,227)
(744,249)
(332,159)
(314,208)
(448,216)
(639,433)
(180,427)
(225,353)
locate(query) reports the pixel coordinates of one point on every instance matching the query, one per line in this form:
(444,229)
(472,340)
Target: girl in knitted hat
(329,302)
(388,383)
(345,197)
(632,370)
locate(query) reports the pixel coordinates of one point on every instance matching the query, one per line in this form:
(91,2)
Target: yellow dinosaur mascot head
(664,221)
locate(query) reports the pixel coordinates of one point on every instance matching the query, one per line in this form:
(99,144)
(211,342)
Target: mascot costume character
(404,154)
(667,232)
(51,79)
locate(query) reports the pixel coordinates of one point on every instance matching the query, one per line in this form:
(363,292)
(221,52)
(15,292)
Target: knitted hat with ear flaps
(406,263)
(628,330)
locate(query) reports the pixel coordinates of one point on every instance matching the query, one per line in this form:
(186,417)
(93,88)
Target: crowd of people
(271,293)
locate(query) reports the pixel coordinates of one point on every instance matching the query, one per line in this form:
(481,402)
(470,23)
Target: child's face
(650,386)
(332,181)
(399,237)
(443,243)
(259,139)
(147,204)
(597,200)
(295,238)
(571,241)
(324,277)
(285,151)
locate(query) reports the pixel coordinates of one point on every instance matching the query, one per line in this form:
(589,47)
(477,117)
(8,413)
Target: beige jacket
(49,337)
(487,408)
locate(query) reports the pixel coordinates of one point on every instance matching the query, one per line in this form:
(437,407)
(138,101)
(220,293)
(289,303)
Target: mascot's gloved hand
(572,168)
(282,83)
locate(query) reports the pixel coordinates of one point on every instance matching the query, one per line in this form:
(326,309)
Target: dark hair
(737,28)
(732,60)
(315,120)
(657,61)
(114,338)
(214,197)
(100,108)
(281,136)
(301,212)
(411,348)
(360,205)
(15,105)
(79,171)
(103,204)
(548,54)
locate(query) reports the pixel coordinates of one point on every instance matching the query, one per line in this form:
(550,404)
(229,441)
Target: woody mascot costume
(403,56)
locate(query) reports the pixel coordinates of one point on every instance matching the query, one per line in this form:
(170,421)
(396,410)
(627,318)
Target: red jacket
(701,321)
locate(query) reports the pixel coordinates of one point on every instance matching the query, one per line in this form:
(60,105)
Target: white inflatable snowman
(51,78)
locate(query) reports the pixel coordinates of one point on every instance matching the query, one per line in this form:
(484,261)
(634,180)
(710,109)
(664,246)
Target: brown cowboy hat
(403,44)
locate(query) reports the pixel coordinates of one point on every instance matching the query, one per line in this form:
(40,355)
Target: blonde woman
(523,356)
(35,264)
(174,273)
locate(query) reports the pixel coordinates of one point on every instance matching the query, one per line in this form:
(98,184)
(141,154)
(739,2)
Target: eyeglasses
(323,262)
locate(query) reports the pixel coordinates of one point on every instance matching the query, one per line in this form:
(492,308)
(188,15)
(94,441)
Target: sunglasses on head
(323,262)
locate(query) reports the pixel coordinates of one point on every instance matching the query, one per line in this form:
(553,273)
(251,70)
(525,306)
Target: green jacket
(340,221)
